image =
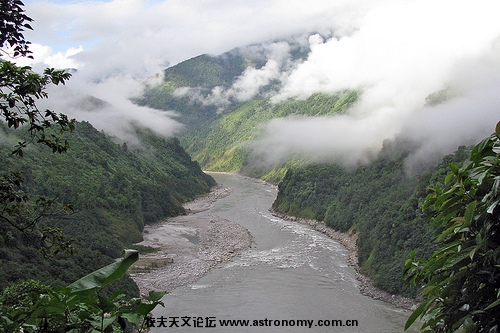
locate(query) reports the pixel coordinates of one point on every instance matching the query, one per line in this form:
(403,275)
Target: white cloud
(44,56)
(401,52)
(276,58)
(396,51)
(130,33)
(106,104)
(135,39)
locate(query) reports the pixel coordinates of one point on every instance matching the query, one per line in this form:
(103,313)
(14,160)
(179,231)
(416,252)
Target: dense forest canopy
(115,191)
(381,202)
(461,279)
(70,200)
(93,198)
(221,131)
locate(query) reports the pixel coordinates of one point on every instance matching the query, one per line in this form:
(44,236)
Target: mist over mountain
(394,53)
(438,100)
(348,104)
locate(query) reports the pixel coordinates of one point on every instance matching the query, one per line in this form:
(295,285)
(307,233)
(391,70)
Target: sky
(398,52)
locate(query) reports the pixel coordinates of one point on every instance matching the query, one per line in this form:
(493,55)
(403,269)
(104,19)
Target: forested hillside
(225,147)
(203,73)
(115,190)
(381,202)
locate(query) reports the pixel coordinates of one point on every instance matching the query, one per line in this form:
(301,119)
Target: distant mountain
(214,97)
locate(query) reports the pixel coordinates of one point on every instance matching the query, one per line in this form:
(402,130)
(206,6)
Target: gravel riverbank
(188,246)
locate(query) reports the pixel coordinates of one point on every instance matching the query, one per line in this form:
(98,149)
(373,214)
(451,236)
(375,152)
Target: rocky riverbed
(188,246)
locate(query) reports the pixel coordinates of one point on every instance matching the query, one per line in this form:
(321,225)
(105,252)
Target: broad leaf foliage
(13,21)
(20,89)
(33,307)
(461,280)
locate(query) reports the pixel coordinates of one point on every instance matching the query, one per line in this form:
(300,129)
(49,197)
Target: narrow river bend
(292,274)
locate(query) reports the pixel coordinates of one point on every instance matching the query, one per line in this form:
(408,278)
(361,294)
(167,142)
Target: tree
(20,88)
(80,307)
(461,280)
(31,306)
(13,21)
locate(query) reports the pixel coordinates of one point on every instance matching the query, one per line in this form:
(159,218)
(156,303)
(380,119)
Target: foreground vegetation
(81,306)
(388,208)
(93,200)
(461,279)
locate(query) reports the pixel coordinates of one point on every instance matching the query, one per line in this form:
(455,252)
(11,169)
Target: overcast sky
(140,35)
(396,51)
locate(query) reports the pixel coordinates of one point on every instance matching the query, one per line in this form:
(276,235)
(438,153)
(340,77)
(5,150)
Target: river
(293,279)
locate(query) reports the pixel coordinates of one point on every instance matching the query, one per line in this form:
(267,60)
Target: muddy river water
(292,279)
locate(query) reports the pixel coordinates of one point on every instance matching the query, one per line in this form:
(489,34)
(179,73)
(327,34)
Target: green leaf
(132,317)
(492,207)
(492,305)
(455,168)
(449,178)
(450,229)
(455,259)
(155,296)
(415,315)
(473,252)
(469,211)
(107,274)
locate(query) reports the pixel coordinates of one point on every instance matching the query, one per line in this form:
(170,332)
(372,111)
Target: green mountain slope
(207,71)
(203,73)
(116,191)
(224,148)
(380,202)
(217,135)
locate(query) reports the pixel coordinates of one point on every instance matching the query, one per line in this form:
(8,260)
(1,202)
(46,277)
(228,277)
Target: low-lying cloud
(107,105)
(400,53)
(119,43)
(276,59)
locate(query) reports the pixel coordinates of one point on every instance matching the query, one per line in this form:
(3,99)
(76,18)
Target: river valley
(291,279)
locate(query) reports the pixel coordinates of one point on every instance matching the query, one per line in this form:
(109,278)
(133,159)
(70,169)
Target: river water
(292,277)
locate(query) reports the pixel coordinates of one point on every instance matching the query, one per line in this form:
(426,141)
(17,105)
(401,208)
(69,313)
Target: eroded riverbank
(366,287)
(188,246)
